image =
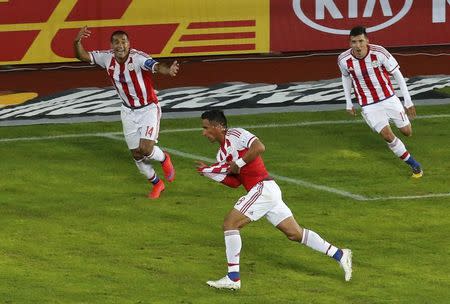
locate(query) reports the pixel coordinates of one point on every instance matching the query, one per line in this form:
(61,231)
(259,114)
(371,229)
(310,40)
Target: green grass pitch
(76,226)
(444,90)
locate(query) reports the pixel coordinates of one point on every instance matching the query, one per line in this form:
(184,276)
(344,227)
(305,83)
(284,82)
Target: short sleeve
(100,58)
(146,62)
(246,138)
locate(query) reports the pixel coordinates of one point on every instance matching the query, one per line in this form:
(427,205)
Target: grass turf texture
(445,91)
(77,227)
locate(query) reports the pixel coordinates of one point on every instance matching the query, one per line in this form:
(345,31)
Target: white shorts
(264,199)
(140,123)
(378,115)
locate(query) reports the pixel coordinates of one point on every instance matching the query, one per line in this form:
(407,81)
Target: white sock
(399,149)
(233,245)
(157,154)
(314,241)
(145,168)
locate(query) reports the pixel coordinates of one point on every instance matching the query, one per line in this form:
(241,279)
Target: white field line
(295,124)
(279,177)
(118,136)
(310,185)
(432,195)
(305,183)
(51,137)
(114,136)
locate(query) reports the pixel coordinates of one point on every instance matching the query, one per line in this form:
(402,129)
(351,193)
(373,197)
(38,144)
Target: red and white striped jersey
(371,74)
(132,79)
(236,144)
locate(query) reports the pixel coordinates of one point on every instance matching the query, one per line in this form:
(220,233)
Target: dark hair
(119,32)
(215,116)
(358,30)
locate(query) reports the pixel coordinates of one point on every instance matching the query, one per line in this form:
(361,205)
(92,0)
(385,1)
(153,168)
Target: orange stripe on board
(200,25)
(214,48)
(218,36)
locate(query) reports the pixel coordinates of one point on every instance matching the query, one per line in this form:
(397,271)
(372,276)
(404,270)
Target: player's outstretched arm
(78,48)
(165,69)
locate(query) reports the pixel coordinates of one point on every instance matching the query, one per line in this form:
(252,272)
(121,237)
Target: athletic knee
(294,236)
(388,137)
(146,150)
(234,223)
(229,225)
(387,134)
(137,155)
(407,133)
(406,130)
(146,147)
(291,229)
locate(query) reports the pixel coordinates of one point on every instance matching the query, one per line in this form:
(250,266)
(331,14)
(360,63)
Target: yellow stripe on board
(16,98)
(156,12)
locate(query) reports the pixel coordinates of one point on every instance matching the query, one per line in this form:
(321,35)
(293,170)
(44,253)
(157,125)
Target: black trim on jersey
(380,100)
(390,72)
(135,108)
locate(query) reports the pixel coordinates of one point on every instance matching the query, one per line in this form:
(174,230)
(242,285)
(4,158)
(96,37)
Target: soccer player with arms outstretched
(130,72)
(239,162)
(367,68)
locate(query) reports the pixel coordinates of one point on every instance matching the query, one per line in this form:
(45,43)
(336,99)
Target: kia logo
(335,13)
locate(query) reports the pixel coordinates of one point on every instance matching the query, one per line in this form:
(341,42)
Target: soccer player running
(239,162)
(130,72)
(368,67)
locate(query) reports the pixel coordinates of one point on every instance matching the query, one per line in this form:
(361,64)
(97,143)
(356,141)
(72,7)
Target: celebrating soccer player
(368,67)
(130,72)
(239,162)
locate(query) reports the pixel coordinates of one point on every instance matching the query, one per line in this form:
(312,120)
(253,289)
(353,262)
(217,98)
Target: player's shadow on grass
(306,267)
